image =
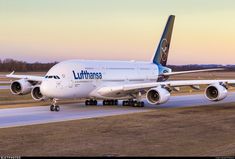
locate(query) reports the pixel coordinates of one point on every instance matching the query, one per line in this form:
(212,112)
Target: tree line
(8,65)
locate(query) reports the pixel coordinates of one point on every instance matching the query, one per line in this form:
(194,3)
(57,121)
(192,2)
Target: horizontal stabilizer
(193,71)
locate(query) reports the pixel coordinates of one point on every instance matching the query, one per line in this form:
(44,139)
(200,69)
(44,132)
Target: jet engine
(157,95)
(36,94)
(216,92)
(21,87)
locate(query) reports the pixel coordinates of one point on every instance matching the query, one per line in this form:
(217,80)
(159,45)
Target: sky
(57,30)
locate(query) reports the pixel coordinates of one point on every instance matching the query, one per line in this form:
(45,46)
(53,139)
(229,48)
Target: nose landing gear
(54,106)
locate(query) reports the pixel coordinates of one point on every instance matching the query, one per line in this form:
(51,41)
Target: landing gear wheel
(133,103)
(142,104)
(123,103)
(110,102)
(52,108)
(57,108)
(106,102)
(91,102)
(126,103)
(95,102)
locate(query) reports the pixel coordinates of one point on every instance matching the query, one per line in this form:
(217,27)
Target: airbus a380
(110,81)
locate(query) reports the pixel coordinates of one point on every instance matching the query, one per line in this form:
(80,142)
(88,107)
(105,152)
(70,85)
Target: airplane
(111,81)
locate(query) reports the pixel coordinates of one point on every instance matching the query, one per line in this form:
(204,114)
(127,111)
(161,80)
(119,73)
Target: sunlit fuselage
(79,78)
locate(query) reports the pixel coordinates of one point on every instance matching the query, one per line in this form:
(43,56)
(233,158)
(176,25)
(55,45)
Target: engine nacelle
(20,87)
(216,92)
(36,94)
(157,95)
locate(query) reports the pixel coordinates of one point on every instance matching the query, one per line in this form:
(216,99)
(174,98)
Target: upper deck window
(120,68)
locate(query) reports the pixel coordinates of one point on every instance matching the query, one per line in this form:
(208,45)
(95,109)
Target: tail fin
(161,54)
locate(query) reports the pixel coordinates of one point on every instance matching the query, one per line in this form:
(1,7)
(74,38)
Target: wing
(27,77)
(109,91)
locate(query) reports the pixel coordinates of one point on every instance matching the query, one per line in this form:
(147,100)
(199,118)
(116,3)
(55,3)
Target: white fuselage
(80,78)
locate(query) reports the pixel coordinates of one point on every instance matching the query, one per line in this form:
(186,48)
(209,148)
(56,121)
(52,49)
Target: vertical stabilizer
(161,54)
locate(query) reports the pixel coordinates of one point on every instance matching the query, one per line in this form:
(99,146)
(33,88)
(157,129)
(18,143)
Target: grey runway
(193,100)
(5,82)
(4,87)
(41,114)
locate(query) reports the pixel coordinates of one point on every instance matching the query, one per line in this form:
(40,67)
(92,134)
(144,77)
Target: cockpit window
(55,77)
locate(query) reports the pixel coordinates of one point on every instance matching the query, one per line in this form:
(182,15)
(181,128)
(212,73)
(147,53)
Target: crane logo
(164,49)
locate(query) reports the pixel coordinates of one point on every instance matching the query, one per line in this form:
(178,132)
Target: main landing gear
(110,102)
(91,102)
(54,106)
(133,103)
(105,102)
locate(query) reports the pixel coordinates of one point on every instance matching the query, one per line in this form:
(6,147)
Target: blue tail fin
(161,54)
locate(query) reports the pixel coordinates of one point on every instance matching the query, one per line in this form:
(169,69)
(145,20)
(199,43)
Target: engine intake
(216,92)
(36,94)
(20,87)
(157,95)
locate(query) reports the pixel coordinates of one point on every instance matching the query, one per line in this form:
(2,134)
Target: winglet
(10,74)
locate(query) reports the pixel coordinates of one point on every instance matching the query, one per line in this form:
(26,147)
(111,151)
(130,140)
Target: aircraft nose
(46,88)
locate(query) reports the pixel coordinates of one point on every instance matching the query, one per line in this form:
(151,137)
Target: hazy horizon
(57,30)
(112,60)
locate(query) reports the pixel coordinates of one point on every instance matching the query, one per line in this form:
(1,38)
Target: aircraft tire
(57,108)
(52,108)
